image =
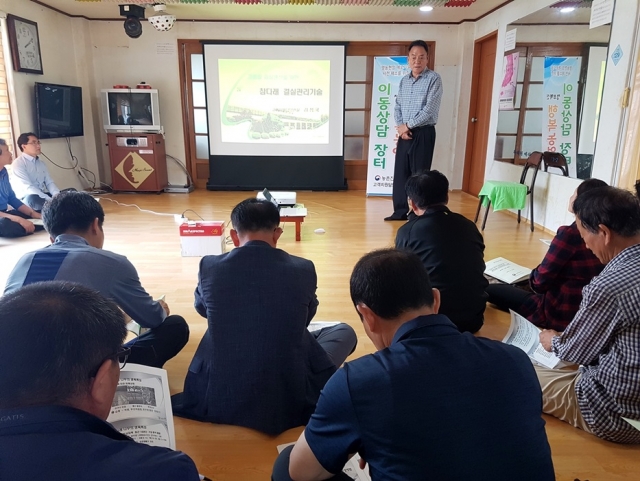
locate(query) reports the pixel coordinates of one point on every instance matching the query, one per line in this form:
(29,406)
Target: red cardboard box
(202,238)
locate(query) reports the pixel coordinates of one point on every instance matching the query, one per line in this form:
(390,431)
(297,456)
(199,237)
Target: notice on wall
(387,73)
(166,48)
(559,107)
(510,40)
(601,13)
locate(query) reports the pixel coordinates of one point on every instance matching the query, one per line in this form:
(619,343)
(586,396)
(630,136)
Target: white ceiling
(108,9)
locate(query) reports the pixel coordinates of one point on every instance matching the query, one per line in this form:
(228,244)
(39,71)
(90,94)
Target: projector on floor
(280,198)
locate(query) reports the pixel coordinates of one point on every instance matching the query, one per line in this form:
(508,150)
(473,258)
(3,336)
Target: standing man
(15,222)
(431,403)
(416,115)
(74,222)
(29,176)
(257,365)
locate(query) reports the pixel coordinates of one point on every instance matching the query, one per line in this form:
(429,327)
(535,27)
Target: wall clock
(25,44)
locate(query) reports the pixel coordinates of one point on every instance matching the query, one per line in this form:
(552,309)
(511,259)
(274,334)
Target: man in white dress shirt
(30,178)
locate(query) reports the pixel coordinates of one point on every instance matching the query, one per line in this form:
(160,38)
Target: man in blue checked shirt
(604,336)
(416,114)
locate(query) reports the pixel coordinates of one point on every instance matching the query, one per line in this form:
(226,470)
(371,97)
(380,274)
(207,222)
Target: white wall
(121,60)
(65,60)
(553,190)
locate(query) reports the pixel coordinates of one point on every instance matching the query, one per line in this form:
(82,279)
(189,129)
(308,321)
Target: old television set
(58,111)
(131,110)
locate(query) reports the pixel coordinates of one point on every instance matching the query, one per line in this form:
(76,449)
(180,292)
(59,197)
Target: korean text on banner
(387,73)
(559,107)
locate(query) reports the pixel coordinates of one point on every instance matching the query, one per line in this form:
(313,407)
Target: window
(6,130)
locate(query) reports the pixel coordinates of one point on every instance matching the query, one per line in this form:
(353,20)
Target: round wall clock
(25,44)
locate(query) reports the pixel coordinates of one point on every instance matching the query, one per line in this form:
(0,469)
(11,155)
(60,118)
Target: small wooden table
(298,219)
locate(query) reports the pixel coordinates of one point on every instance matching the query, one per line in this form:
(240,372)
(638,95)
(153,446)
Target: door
(484,61)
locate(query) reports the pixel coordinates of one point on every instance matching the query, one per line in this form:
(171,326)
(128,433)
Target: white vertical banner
(559,107)
(387,73)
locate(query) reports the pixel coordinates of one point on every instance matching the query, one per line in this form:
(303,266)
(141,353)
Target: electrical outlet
(178,218)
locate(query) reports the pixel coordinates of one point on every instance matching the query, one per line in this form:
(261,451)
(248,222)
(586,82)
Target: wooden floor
(354,226)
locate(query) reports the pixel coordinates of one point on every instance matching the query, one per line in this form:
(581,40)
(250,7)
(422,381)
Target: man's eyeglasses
(121,356)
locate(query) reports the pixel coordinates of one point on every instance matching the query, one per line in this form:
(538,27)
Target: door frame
(473,99)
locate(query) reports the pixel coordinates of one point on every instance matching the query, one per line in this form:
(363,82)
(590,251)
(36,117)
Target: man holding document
(60,358)
(604,336)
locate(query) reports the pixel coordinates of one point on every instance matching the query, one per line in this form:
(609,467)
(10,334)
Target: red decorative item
(118,86)
(143,85)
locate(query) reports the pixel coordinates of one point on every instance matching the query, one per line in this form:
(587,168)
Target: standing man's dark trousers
(412,157)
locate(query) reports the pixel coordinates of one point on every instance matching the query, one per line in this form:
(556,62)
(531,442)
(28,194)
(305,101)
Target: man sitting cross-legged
(14,222)
(257,365)
(432,403)
(60,357)
(450,247)
(604,335)
(74,222)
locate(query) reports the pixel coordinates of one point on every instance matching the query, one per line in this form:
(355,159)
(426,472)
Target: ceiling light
(162,22)
(426,8)
(567,9)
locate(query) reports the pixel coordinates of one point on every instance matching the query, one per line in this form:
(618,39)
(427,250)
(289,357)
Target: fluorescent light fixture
(567,9)
(426,8)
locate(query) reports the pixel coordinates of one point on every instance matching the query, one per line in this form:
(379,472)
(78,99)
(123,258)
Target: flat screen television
(58,111)
(131,110)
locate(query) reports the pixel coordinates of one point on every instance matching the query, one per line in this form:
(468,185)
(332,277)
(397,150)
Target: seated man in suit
(74,222)
(14,222)
(257,365)
(432,403)
(29,176)
(60,357)
(451,248)
(604,336)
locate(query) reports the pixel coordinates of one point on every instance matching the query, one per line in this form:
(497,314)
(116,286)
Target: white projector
(278,198)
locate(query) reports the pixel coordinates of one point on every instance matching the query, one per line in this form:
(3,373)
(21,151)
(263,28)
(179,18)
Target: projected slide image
(274,101)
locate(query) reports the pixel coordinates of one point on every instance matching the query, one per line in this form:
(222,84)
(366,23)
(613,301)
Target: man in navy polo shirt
(60,357)
(432,403)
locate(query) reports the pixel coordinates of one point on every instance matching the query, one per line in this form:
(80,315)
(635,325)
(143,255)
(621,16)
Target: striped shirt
(418,99)
(7,196)
(604,338)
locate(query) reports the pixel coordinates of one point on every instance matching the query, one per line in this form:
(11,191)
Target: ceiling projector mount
(134,13)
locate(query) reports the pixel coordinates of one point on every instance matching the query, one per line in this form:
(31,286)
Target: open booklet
(526,336)
(317,325)
(141,407)
(352,468)
(506,271)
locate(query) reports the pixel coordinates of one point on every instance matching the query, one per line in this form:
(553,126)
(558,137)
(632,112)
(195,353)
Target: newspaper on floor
(141,407)
(351,469)
(526,336)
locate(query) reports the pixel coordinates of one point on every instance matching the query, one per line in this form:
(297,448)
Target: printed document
(526,336)
(506,271)
(141,407)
